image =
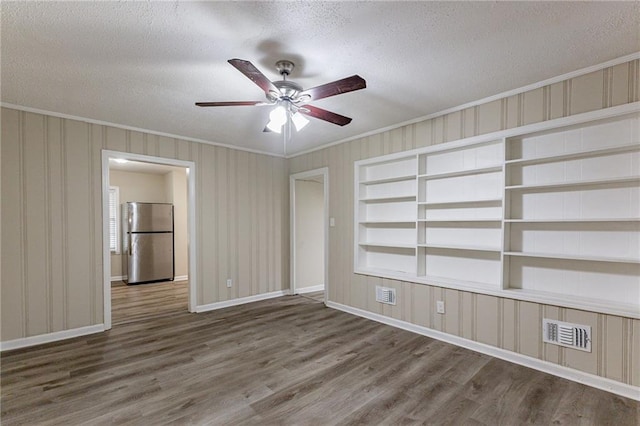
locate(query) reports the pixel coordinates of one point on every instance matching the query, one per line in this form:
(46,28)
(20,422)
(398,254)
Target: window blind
(114,223)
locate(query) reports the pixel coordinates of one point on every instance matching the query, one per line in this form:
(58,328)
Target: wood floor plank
(288,360)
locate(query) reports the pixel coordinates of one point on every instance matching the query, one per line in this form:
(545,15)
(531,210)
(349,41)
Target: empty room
(320,213)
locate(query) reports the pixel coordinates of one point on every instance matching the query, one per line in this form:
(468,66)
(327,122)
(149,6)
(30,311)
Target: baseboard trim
(118,278)
(311,289)
(50,337)
(240,301)
(622,389)
(181,278)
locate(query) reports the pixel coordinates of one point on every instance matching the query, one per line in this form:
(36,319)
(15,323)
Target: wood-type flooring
(284,361)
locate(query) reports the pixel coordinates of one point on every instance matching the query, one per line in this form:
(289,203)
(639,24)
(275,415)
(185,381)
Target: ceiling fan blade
(325,115)
(232,103)
(254,74)
(349,84)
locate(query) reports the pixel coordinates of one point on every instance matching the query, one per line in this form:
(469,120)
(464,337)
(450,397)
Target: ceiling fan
(290,99)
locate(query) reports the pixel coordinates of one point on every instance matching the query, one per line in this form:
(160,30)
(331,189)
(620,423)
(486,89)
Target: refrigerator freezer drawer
(150,257)
(150,217)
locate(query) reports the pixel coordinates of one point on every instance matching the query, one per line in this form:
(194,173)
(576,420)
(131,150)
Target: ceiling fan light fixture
(299,121)
(277,118)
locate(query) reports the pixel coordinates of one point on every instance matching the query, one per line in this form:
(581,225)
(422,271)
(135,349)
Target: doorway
(154,179)
(309,229)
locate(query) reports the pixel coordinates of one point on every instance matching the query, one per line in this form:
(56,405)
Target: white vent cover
(566,334)
(386,295)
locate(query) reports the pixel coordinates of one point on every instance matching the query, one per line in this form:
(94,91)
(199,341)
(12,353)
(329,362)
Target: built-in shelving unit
(552,215)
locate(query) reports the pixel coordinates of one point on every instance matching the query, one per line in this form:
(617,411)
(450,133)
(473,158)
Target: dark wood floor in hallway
(285,361)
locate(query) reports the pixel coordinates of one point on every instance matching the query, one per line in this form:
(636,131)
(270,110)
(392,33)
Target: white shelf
(388,199)
(576,155)
(460,247)
(461,284)
(466,243)
(459,220)
(591,182)
(467,172)
(602,220)
(391,245)
(389,222)
(460,202)
(572,257)
(388,180)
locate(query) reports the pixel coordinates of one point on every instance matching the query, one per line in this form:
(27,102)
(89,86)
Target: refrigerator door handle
(129,244)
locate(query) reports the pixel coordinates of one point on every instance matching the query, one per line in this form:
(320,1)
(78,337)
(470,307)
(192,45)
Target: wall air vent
(565,334)
(386,295)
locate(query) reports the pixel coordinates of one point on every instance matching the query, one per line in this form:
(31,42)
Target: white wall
(309,228)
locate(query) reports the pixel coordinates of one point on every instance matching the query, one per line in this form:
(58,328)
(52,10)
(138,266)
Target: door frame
(191,223)
(324,172)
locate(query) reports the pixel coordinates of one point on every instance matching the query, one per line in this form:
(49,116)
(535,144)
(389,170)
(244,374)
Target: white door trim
(324,172)
(191,223)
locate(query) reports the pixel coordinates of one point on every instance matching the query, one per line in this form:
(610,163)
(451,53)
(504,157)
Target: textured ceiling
(144,64)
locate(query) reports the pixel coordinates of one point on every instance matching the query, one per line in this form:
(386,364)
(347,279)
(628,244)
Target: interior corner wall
(501,322)
(51,239)
(143,187)
(309,231)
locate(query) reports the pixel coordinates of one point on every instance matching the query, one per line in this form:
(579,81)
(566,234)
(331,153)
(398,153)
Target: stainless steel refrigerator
(147,242)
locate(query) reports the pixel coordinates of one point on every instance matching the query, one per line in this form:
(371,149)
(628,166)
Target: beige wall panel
(35,234)
(437,130)
(183,149)
(372,305)
(587,92)
(437,320)
(166,147)
(423,133)
(529,331)
(551,353)
(514,107)
(263,277)
(467,309)
(78,225)
(397,141)
(232,236)
(613,345)
(419,304)
(453,126)
(556,101)
(12,288)
(533,104)
(490,117)
(358,292)
(634,80)
(244,233)
(395,311)
(151,145)
(634,353)
(223,220)
(452,322)
(210,206)
(509,324)
(56,219)
(580,360)
(97,266)
(409,136)
(468,122)
(115,139)
(487,319)
(254,211)
(136,142)
(620,84)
